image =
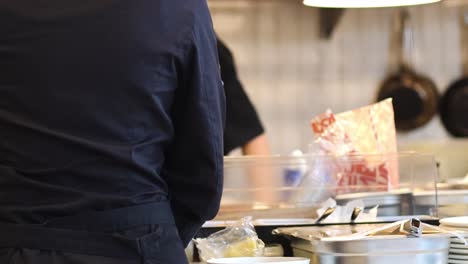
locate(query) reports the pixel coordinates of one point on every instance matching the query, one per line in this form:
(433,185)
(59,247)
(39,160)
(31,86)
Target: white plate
(456,261)
(458,257)
(459,246)
(279,260)
(463,252)
(457,241)
(461,221)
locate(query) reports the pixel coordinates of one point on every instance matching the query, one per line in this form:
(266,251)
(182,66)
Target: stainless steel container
(394,203)
(326,245)
(431,249)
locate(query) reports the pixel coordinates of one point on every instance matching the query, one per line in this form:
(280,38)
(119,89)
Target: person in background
(111,130)
(243,126)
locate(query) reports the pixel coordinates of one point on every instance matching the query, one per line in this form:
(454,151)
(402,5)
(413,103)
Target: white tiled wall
(292,75)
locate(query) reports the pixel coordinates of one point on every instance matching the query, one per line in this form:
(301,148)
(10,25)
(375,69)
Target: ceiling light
(365,3)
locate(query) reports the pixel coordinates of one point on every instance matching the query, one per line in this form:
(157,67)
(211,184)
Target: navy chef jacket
(107,104)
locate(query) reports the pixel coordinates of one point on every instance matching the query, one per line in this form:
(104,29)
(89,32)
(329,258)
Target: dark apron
(139,234)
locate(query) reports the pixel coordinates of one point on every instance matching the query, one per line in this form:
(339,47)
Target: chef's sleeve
(242,121)
(193,168)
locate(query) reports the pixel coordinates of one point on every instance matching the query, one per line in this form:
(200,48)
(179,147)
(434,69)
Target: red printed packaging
(364,142)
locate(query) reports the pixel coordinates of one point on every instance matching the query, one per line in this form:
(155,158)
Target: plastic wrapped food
(239,240)
(368,137)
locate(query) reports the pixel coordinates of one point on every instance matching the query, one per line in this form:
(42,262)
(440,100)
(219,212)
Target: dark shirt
(242,121)
(107,104)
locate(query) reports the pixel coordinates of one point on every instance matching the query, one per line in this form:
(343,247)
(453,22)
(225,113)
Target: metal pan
(415,96)
(453,105)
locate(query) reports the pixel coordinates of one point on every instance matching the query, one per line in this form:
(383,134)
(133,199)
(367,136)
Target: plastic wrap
(239,240)
(358,134)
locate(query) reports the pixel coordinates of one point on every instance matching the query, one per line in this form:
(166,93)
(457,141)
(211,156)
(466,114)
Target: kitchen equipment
(450,202)
(272,260)
(458,246)
(243,195)
(450,153)
(460,260)
(327,213)
(458,252)
(335,245)
(274,199)
(458,249)
(453,105)
(384,251)
(453,186)
(392,203)
(356,212)
(456,261)
(414,227)
(415,96)
(256,186)
(265,227)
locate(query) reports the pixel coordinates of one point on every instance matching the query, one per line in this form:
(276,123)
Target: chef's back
(111,122)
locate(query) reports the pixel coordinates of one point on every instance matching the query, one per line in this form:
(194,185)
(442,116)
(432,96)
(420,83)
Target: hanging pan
(415,96)
(454,103)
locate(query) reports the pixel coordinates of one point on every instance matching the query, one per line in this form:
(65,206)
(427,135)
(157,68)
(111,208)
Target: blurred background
(293,71)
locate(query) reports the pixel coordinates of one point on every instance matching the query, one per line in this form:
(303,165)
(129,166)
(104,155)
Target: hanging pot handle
(464,40)
(400,40)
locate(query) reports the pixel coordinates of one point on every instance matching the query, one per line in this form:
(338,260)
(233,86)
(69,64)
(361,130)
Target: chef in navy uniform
(244,128)
(111,130)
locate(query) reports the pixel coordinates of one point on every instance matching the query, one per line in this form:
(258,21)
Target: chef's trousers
(111,237)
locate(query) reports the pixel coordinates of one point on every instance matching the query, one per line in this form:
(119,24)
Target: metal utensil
(356,212)
(413,228)
(327,213)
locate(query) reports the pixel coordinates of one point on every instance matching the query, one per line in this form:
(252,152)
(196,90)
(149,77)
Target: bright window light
(365,3)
